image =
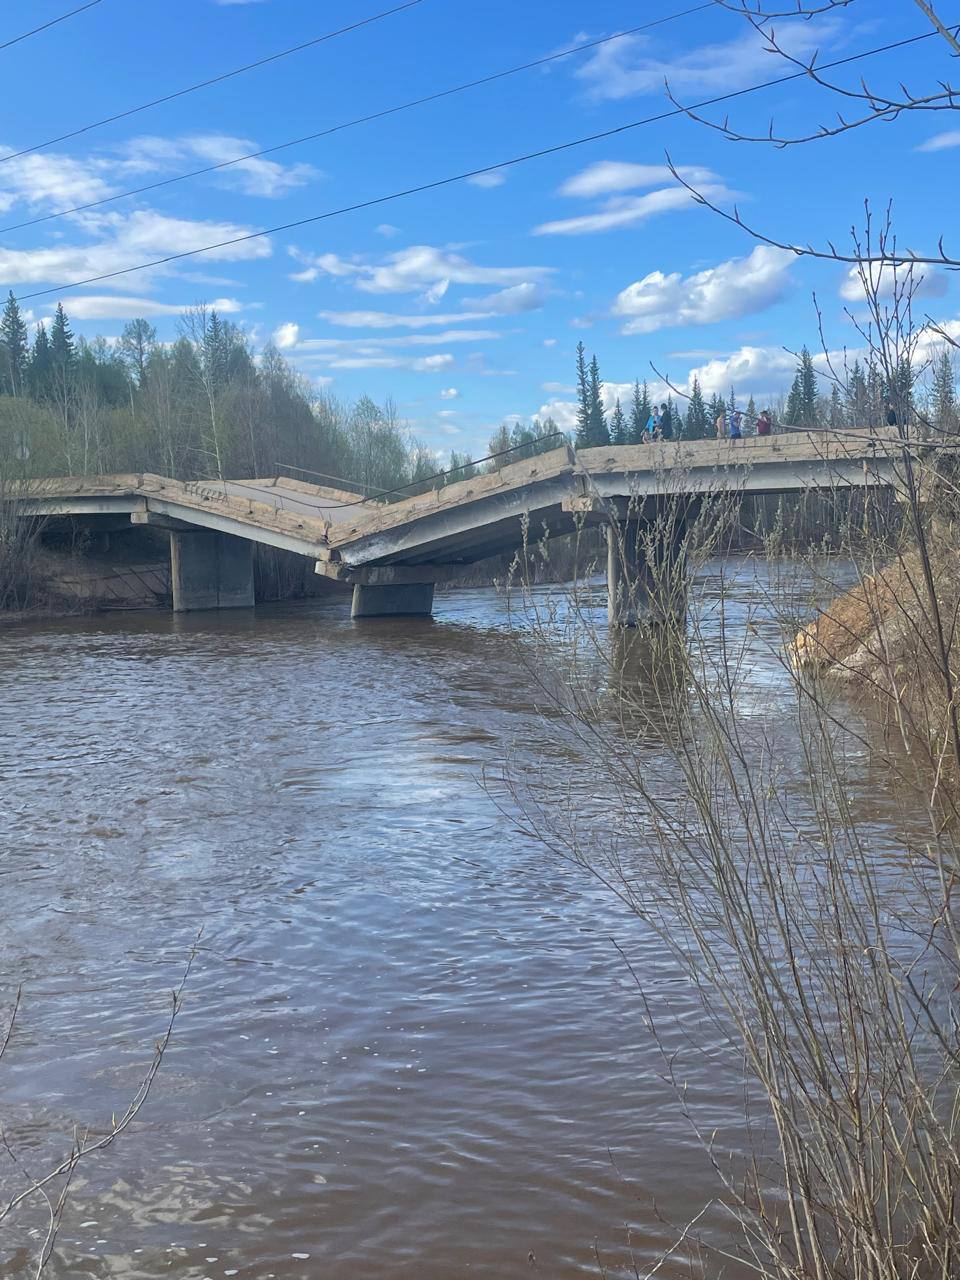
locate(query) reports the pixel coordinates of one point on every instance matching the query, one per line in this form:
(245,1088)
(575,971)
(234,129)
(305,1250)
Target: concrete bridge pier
(388,591)
(210,571)
(646,567)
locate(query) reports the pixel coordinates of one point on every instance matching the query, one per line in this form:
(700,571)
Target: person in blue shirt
(736,423)
(653,424)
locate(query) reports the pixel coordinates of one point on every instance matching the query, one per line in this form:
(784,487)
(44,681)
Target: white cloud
(609,176)
(387,229)
(375,344)
(286,336)
(495,179)
(550,342)
(419,364)
(563,412)
(626,211)
(414,270)
(449,393)
(512,301)
(391,320)
(752,370)
(558,388)
(927,283)
(255,177)
(126,240)
(941,141)
(50,180)
(732,289)
(627,67)
(106,307)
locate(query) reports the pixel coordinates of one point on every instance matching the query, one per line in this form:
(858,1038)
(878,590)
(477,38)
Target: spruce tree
(857,410)
(836,409)
(717,407)
(40,369)
(14,349)
(750,416)
(582,438)
(639,413)
(618,425)
(793,414)
(944,396)
(63,350)
(597,432)
(698,425)
(808,389)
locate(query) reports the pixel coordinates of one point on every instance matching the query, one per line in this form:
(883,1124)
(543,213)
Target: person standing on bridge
(764,423)
(666,422)
(653,424)
(721,425)
(736,425)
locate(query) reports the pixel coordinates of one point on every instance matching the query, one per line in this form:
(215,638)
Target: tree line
(204,407)
(861,397)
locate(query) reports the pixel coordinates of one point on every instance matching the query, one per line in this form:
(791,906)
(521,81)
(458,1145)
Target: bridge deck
(468,520)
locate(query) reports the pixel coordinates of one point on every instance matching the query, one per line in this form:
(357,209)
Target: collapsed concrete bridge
(393,555)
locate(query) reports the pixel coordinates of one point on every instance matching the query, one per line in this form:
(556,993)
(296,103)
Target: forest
(206,406)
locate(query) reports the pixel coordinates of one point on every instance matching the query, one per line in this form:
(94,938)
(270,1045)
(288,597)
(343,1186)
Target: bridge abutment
(210,571)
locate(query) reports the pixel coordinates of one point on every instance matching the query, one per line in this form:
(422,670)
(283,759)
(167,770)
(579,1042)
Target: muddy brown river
(409,1047)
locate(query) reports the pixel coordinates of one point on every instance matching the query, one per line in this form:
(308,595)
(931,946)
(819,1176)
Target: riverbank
(882,636)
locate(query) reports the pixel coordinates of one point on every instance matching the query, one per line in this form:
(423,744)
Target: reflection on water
(409,1047)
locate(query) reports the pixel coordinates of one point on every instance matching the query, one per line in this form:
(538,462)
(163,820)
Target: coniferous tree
(801,408)
(671,424)
(63,349)
(900,392)
(836,414)
(40,370)
(750,415)
(944,413)
(732,402)
(582,438)
(14,349)
(698,425)
(618,425)
(858,398)
(876,395)
(717,407)
(598,432)
(639,413)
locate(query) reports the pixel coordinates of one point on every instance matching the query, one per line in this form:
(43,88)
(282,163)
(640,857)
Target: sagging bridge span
(394,554)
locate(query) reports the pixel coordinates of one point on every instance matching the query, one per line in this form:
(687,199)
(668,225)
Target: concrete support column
(392,600)
(646,569)
(628,574)
(210,571)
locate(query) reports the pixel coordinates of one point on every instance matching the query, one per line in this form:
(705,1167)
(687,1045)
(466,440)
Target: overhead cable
(437,183)
(350,124)
(205,84)
(47,25)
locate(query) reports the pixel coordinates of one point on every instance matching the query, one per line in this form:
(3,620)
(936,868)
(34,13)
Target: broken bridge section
(394,554)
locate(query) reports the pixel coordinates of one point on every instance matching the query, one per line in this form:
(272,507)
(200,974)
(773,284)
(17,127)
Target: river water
(409,1047)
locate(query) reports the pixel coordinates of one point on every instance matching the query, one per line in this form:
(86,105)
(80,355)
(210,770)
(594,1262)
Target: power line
(205,84)
(367,119)
(556,149)
(47,25)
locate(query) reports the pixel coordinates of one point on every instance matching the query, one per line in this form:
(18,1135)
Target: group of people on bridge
(731,425)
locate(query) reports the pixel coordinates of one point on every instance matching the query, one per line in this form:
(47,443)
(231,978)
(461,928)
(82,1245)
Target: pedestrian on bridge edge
(764,423)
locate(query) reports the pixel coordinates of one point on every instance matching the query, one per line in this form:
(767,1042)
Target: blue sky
(464,304)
